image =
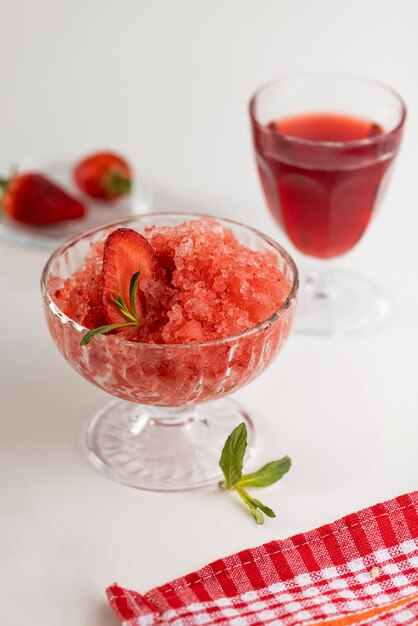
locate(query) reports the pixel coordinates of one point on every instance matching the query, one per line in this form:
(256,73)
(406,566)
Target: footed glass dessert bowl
(212,313)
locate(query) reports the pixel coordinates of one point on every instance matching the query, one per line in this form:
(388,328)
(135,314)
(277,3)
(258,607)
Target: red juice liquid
(323,195)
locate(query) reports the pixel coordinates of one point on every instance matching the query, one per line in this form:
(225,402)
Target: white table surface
(167,83)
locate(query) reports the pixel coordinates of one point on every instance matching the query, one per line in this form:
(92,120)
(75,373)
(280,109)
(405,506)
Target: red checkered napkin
(362,569)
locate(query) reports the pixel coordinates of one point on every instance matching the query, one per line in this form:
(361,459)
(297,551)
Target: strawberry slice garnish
(128,258)
(32,198)
(126,253)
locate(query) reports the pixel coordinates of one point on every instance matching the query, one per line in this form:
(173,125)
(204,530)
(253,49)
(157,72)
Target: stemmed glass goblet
(167,427)
(324,145)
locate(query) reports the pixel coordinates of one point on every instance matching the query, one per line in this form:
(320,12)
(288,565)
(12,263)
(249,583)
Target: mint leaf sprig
(129,313)
(231,463)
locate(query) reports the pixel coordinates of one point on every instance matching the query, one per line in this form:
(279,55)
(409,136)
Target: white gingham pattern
(363,562)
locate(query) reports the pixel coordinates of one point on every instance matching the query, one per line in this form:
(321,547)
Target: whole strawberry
(104,175)
(33,198)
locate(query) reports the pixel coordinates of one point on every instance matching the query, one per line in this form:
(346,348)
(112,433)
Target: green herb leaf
(133,290)
(101,331)
(231,461)
(123,308)
(130,314)
(257,515)
(255,512)
(255,506)
(267,475)
(232,456)
(246,498)
(263,507)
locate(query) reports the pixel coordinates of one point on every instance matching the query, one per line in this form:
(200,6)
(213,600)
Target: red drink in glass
(324,146)
(323,201)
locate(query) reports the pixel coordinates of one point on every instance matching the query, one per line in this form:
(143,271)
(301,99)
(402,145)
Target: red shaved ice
(209,288)
(213,286)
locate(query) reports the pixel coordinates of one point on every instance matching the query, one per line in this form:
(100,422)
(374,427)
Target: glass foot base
(338,303)
(163,449)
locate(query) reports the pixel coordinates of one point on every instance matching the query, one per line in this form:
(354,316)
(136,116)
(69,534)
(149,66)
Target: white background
(167,83)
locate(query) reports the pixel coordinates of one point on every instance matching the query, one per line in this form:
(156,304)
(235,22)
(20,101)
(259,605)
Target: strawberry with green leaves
(104,176)
(32,198)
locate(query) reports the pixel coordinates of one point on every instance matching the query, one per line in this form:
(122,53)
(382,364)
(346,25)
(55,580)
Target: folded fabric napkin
(362,569)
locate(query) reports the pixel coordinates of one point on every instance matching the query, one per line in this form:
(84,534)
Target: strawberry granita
(212,286)
(213,306)
(79,297)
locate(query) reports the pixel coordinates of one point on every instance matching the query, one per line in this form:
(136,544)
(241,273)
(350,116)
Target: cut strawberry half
(126,253)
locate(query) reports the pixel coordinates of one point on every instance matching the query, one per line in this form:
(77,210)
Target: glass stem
(176,416)
(319,281)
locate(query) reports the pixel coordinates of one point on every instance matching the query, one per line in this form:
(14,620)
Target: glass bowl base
(163,449)
(338,303)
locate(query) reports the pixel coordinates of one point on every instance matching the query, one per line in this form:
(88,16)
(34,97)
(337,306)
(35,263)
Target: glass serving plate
(51,236)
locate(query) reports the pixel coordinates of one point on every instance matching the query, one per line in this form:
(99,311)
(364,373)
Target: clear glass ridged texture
(170,375)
